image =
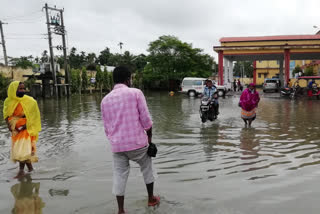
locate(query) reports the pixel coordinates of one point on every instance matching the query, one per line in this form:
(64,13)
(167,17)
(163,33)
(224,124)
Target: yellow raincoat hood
(30,108)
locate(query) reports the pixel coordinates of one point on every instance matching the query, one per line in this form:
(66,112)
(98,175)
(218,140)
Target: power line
(21,38)
(27,21)
(34,22)
(22,16)
(26,34)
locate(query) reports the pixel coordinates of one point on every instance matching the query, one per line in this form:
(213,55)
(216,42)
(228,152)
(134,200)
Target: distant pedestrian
(249,100)
(239,86)
(128,126)
(22,116)
(234,85)
(311,86)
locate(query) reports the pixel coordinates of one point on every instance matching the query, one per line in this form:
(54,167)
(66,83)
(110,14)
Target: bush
(84,77)
(99,78)
(296,70)
(107,80)
(29,82)
(75,80)
(309,71)
(4,84)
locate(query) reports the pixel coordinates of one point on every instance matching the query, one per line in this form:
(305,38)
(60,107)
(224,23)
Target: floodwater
(216,167)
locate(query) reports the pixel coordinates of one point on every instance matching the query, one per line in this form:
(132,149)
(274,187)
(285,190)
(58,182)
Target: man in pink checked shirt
(128,126)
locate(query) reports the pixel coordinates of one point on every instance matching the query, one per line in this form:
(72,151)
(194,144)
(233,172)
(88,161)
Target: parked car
(271,85)
(194,86)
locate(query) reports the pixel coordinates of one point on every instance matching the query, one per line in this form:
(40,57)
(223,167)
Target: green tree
(75,80)
(138,79)
(243,67)
(110,80)
(22,62)
(106,80)
(29,82)
(296,70)
(77,60)
(140,62)
(104,56)
(308,71)
(4,84)
(171,60)
(91,61)
(99,78)
(84,79)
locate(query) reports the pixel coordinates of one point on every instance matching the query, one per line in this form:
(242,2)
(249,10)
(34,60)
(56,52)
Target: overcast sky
(93,25)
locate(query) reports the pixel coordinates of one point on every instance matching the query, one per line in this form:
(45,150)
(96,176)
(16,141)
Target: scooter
(286,91)
(296,90)
(208,109)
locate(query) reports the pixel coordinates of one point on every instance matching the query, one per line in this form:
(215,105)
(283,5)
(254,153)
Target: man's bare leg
(120,200)
(152,200)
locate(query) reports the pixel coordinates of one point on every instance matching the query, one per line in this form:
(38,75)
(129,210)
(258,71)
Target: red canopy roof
(309,77)
(270,38)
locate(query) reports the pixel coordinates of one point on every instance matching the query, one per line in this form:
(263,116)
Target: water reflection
(212,158)
(249,144)
(26,195)
(209,134)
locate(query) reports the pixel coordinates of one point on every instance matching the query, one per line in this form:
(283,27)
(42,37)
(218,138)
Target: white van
(194,86)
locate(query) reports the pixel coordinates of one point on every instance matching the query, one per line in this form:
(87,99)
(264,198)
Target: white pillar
(227,72)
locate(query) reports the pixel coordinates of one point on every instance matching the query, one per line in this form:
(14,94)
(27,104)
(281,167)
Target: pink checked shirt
(125,116)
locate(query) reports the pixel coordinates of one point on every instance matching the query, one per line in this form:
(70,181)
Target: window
(197,82)
(192,82)
(259,75)
(187,82)
(271,81)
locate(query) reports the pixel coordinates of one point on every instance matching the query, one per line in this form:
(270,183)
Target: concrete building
(287,50)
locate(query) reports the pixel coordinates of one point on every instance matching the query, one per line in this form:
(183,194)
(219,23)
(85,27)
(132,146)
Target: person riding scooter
(312,88)
(209,92)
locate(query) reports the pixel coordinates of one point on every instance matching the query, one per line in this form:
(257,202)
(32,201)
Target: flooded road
(216,167)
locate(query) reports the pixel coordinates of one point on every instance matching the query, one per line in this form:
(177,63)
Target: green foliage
(138,79)
(107,80)
(84,79)
(75,80)
(308,71)
(104,56)
(22,62)
(172,59)
(296,70)
(99,77)
(245,67)
(110,79)
(29,82)
(4,84)
(140,62)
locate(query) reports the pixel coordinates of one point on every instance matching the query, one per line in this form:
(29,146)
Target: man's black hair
(121,74)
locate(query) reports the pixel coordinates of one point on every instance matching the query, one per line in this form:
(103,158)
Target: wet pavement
(216,167)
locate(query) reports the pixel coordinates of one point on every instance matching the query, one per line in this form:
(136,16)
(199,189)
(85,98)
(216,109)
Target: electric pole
(3,42)
(65,53)
(54,76)
(58,29)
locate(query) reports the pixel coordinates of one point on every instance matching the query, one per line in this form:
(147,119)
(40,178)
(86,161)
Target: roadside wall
(16,73)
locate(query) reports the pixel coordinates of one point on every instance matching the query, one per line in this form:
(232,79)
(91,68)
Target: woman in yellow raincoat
(22,115)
